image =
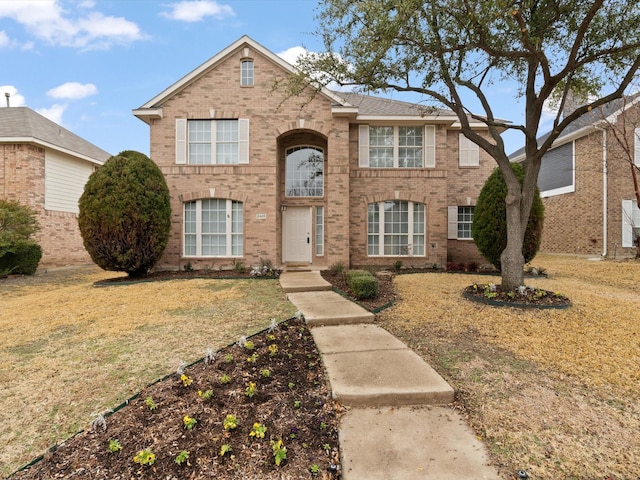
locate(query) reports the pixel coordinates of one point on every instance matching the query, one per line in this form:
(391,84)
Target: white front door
(296,234)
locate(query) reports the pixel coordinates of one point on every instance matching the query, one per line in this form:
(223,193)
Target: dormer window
(246,73)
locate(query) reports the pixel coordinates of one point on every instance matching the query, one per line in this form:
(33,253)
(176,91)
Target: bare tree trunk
(511,259)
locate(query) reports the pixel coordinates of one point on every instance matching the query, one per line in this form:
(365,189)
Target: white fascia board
(50,146)
(146,114)
(245,39)
(344,111)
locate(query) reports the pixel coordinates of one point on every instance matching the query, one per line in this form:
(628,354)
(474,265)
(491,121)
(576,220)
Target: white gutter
(604,191)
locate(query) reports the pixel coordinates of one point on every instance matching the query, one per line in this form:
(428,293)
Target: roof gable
(245,41)
(23,125)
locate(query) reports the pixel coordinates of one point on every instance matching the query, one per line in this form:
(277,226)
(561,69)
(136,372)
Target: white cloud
(196,10)
(54,113)
(292,54)
(15,99)
(73,90)
(48,21)
(4,39)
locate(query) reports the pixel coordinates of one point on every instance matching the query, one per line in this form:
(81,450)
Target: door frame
(287,235)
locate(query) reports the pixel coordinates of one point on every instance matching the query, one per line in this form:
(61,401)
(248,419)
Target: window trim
(297,148)
(247,80)
(411,234)
(569,188)
(229,232)
(630,222)
(319,221)
(182,141)
(428,145)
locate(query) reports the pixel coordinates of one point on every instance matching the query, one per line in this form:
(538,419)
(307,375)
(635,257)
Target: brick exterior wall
(22,179)
(276,124)
(574,221)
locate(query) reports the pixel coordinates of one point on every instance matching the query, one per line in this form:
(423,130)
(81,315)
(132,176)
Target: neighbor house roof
(587,123)
(23,125)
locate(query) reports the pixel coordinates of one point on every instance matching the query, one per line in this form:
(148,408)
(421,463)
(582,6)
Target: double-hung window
(557,171)
(460,222)
(213,227)
(396,228)
(397,146)
(212,142)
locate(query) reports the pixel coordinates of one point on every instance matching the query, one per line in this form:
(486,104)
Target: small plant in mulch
(223,435)
(523,296)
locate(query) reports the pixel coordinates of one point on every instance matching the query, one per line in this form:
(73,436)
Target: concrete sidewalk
(398,426)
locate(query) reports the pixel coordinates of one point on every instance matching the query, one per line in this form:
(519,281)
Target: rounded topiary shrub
(363,284)
(22,258)
(125,214)
(489,229)
(18,253)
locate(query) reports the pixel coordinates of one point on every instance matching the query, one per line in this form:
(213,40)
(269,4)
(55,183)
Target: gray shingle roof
(24,123)
(369,105)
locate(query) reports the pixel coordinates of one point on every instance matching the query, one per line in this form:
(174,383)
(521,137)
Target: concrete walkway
(398,426)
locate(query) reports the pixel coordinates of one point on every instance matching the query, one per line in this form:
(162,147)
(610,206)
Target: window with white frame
(397,146)
(469,152)
(460,221)
(211,142)
(396,228)
(246,72)
(557,171)
(213,227)
(465,221)
(630,222)
(319,231)
(304,172)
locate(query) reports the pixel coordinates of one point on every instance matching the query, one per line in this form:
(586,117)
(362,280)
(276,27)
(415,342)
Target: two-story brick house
(586,184)
(315,179)
(45,167)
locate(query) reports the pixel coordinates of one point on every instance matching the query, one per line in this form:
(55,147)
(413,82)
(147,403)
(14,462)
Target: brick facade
(574,222)
(276,124)
(22,177)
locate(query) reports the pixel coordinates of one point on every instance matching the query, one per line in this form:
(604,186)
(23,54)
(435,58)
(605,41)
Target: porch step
(303,281)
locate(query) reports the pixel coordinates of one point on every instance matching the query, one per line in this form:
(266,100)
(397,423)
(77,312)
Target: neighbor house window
(397,146)
(395,228)
(211,142)
(468,152)
(213,227)
(304,172)
(557,171)
(319,231)
(246,73)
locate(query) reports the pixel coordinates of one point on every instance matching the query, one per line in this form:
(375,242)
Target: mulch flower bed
(272,386)
(523,297)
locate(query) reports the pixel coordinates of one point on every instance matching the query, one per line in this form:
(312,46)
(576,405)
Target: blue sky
(86,64)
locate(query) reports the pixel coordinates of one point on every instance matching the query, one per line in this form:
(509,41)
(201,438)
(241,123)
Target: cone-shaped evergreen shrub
(489,229)
(125,214)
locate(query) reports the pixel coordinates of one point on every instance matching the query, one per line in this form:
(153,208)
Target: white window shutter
(181,141)
(469,153)
(243,140)
(429,146)
(627,225)
(452,222)
(636,147)
(363,140)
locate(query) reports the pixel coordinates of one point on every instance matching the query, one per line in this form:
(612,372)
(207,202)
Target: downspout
(604,191)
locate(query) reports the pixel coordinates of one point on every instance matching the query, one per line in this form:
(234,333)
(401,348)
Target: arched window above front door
(304,173)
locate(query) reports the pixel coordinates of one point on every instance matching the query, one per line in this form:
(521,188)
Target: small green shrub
(362,283)
(337,268)
(22,257)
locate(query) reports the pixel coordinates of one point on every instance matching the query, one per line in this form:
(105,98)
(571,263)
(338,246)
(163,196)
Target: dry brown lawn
(553,392)
(69,350)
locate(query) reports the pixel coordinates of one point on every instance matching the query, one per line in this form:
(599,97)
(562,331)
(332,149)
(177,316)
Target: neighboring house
(312,180)
(586,184)
(45,167)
